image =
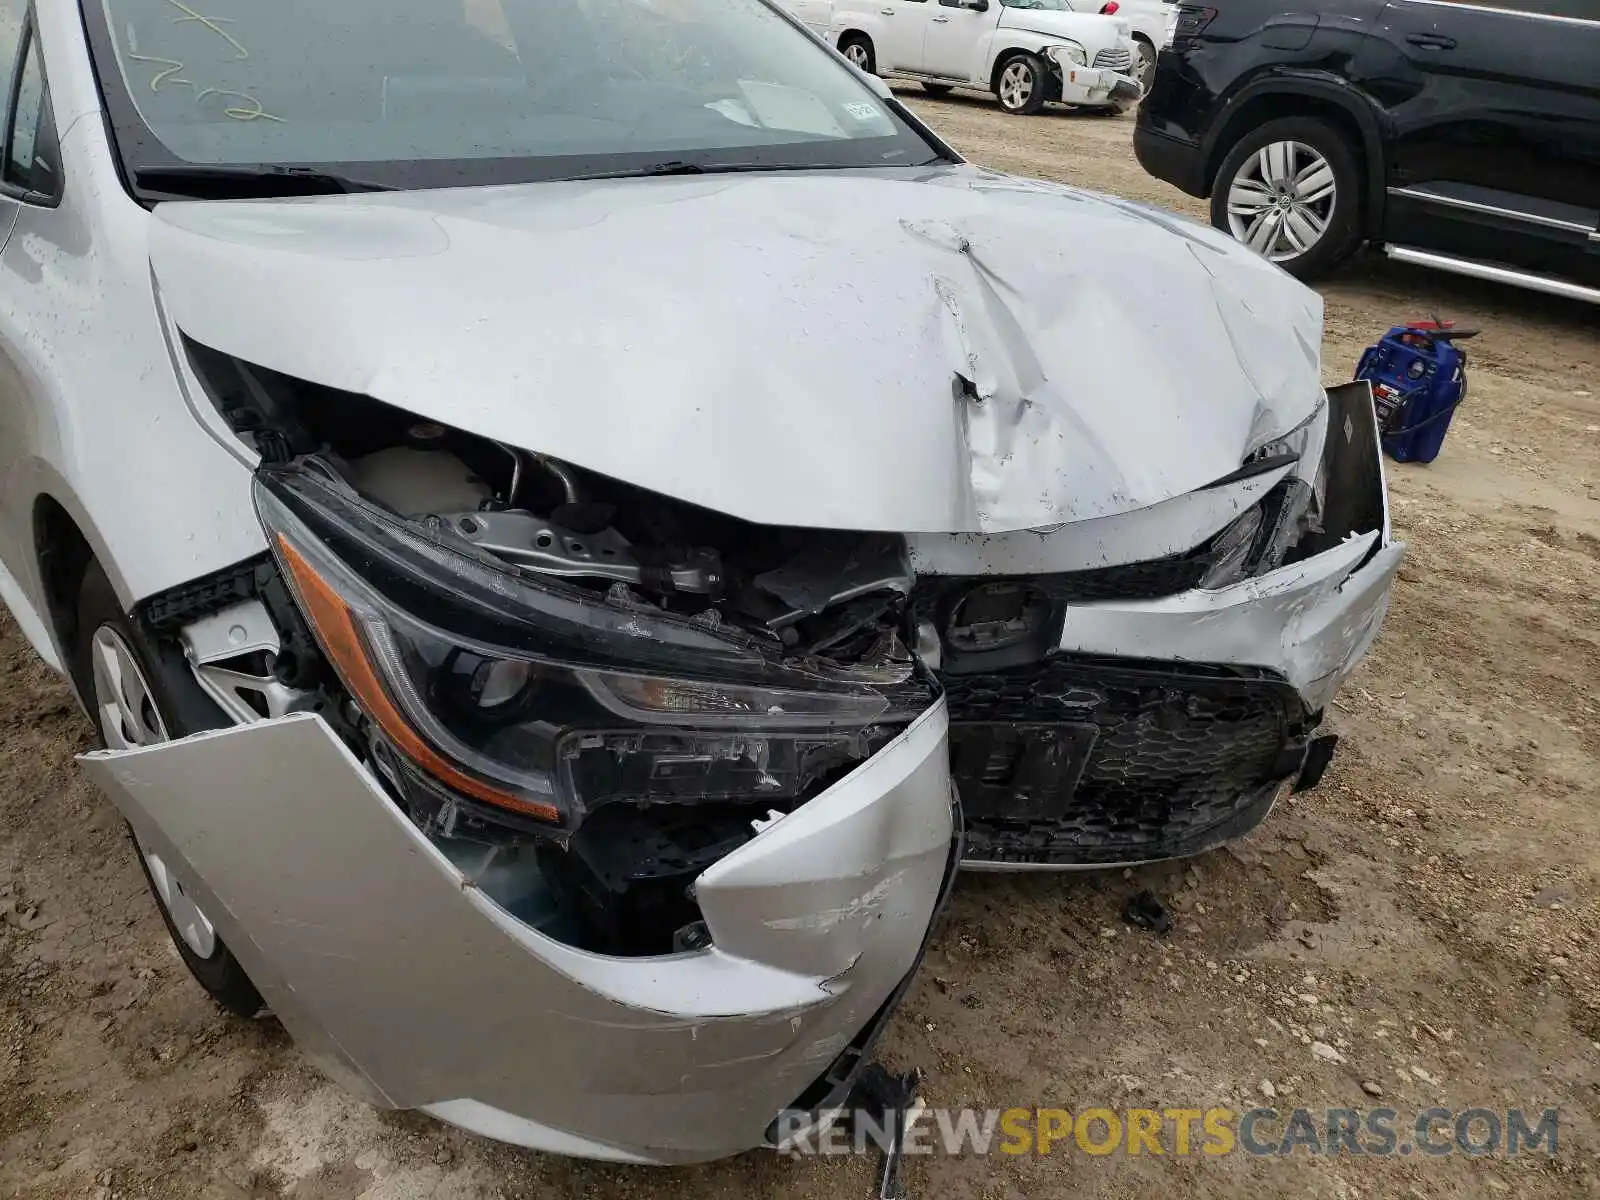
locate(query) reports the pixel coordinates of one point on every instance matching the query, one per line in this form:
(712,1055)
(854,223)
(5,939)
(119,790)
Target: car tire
(1291,190)
(857,47)
(936,89)
(138,696)
(1146,74)
(1020,83)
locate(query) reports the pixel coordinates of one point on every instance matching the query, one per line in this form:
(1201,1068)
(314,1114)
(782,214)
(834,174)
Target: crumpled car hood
(942,350)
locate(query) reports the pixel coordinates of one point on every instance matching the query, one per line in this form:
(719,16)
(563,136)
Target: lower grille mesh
(1073,761)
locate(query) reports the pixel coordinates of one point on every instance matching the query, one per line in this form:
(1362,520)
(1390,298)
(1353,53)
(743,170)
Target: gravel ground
(1420,927)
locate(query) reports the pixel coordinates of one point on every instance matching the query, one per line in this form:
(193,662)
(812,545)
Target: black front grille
(1076,760)
(1133,581)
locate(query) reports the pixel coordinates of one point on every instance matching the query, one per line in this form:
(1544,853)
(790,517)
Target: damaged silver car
(573,516)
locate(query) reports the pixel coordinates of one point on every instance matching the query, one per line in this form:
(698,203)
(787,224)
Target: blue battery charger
(1419,379)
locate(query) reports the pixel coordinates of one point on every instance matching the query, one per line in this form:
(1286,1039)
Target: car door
(12,16)
(904,29)
(1497,148)
(29,179)
(958,38)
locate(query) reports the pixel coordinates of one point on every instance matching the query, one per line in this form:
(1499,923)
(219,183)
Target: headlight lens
(1069,54)
(1260,540)
(1233,549)
(543,699)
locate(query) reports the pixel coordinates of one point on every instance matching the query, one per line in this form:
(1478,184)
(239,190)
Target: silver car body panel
(1170,527)
(92,431)
(1060,356)
(1310,622)
(413,988)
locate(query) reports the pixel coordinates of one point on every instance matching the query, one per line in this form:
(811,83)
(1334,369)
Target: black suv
(1461,136)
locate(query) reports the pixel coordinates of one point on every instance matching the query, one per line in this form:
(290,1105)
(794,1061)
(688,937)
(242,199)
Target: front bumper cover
(1097,85)
(415,990)
(1162,718)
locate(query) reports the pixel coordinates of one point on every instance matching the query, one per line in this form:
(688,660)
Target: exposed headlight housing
(1068,54)
(543,699)
(1261,539)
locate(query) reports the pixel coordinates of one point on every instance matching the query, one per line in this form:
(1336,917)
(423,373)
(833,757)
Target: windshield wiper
(243,180)
(683,167)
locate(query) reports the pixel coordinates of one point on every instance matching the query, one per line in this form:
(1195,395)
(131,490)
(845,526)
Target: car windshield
(418,93)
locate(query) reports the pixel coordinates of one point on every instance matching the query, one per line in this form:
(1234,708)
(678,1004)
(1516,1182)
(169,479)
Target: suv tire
(1291,190)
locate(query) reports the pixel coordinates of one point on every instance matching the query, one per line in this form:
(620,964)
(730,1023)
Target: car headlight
(1068,54)
(544,699)
(1262,538)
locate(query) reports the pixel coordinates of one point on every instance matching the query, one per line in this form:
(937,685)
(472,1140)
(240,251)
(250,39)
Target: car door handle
(1431,41)
(886,12)
(941,20)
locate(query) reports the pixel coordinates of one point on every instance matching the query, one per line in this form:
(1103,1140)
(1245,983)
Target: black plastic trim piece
(169,611)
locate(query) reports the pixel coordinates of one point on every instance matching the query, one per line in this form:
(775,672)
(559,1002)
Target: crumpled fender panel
(1310,622)
(941,350)
(408,985)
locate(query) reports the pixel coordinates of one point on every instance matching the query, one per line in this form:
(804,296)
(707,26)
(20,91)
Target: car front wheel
(1020,85)
(133,706)
(858,49)
(1290,190)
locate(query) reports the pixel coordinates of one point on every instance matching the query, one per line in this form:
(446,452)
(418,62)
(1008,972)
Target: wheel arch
(1273,98)
(62,554)
(1010,50)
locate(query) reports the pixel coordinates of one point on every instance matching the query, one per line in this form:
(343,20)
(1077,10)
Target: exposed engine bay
(619,880)
(606,690)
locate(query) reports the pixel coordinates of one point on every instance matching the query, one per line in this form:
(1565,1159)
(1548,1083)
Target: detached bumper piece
(1079,762)
(409,985)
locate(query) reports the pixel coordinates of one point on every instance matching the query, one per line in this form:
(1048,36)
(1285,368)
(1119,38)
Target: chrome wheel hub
(857,53)
(1282,200)
(126,709)
(1147,65)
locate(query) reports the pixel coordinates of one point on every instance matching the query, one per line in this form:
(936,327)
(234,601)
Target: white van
(1027,52)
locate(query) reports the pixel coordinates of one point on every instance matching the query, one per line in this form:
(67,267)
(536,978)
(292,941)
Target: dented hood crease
(930,351)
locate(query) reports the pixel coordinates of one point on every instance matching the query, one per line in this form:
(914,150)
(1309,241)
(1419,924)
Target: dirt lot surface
(1428,917)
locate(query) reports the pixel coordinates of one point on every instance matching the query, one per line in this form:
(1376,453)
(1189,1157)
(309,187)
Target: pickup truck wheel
(1146,70)
(1291,191)
(1020,85)
(133,705)
(936,89)
(857,47)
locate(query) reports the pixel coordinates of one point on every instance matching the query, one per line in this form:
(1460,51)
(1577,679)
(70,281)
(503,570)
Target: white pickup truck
(1027,52)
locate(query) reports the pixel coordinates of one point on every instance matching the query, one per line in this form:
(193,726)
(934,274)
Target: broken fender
(406,983)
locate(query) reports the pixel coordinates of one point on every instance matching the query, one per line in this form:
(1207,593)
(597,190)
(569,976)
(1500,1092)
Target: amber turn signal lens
(336,629)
